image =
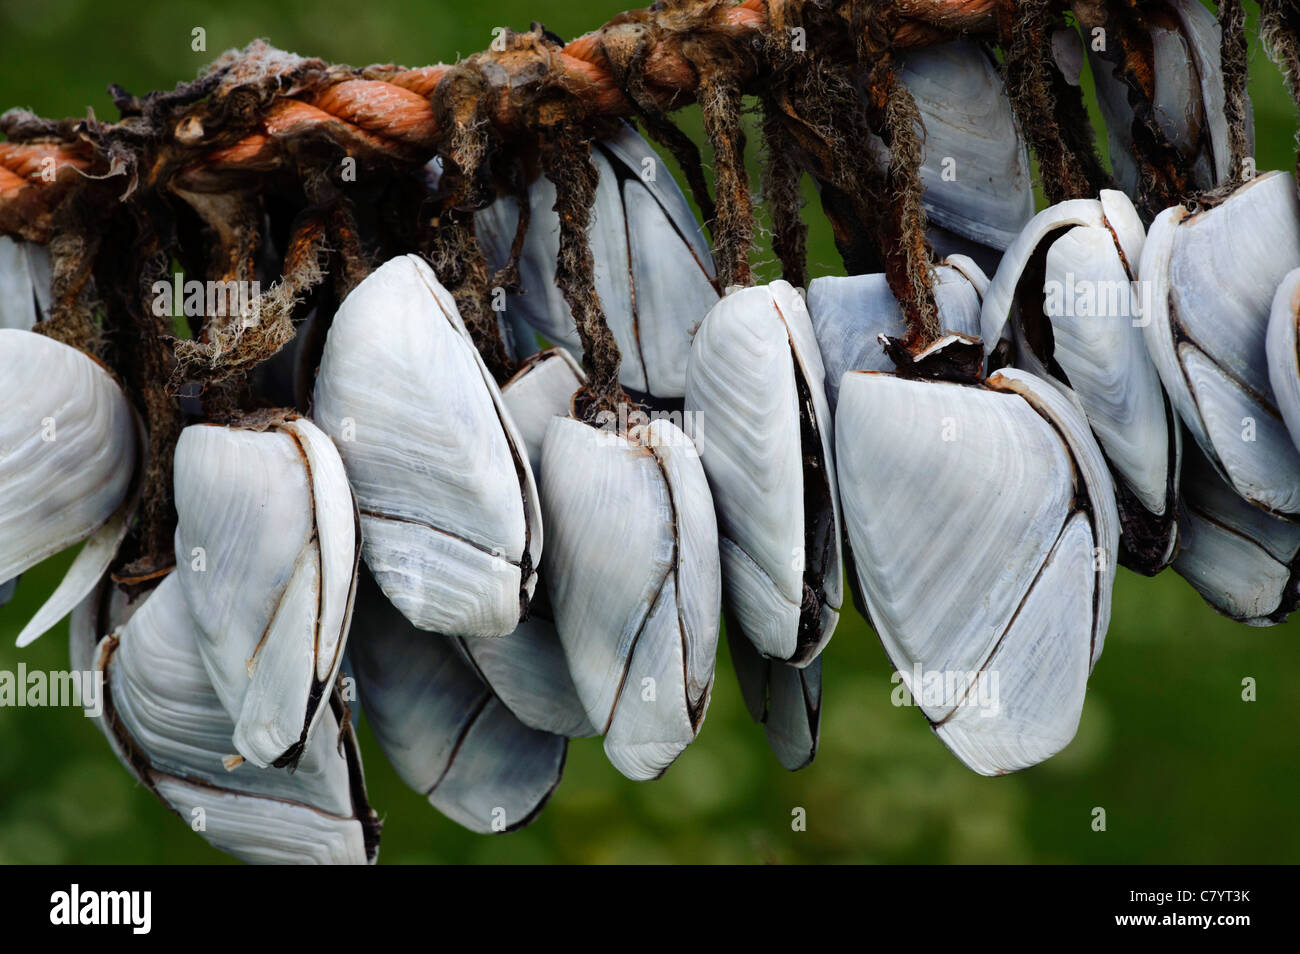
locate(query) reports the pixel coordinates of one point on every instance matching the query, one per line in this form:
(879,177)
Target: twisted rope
(1232,55)
(1280,29)
(390,110)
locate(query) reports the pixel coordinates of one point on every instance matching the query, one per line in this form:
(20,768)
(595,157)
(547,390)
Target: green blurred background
(1186,771)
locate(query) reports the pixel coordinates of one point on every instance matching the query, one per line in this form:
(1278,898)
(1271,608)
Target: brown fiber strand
(1232,24)
(1025,28)
(566,160)
(733,230)
(1280,29)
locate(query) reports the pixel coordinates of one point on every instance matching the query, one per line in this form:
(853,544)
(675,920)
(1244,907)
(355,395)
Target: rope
(643,63)
(1232,55)
(390,110)
(1280,29)
(1025,28)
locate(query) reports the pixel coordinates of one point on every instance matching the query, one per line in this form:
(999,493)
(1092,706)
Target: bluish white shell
(172,732)
(442,728)
(962,506)
(755,385)
(640,631)
(1213,278)
(849,313)
(976,169)
(69,453)
(1093,301)
(25,272)
(527,669)
(267,544)
(1241,560)
(449,512)
(653,270)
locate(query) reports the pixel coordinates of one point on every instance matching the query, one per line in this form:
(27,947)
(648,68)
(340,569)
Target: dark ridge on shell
(819,521)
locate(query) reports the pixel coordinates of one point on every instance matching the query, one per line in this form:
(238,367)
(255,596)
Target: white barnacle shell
(443,729)
(1069,290)
(976,173)
(25,274)
(453,531)
(983,529)
(1283,358)
(633,575)
(1213,276)
(1111,210)
(170,728)
(70,451)
(540,390)
(105,610)
(653,270)
(1244,562)
(849,313)
(755,384)
(785,700)
(527,669)
(529,674)
(267,543)
(1187,103)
